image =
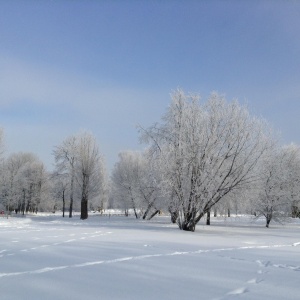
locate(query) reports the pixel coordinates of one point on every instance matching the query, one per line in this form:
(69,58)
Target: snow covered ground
(48,257)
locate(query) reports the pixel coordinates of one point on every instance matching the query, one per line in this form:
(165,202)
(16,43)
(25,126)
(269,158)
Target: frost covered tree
(125,180)
(9,183)
(294,178)
(278,188)
(100,188)
(152,198)
(24,183)
(205,151)
(32,180)
(135,184)
(90,164)
(65,156)
(60,191)
(78,157)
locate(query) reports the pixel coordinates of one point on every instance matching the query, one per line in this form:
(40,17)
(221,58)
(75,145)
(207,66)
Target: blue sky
(106,66)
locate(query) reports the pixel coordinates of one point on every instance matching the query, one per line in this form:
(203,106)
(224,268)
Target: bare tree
(65,157)
(60,190)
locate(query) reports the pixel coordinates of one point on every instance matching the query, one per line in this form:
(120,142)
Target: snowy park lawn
(49,257)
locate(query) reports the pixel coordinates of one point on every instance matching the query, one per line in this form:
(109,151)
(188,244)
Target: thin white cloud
(47,85)
(64,103)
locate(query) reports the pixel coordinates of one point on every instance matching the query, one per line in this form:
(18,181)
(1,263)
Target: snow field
(48,257)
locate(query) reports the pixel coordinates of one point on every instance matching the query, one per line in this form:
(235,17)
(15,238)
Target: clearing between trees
(45,256)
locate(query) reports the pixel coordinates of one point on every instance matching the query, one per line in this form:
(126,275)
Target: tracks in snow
(237,291)
(85,236)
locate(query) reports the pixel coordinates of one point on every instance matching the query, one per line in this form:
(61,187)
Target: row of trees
(204,156)
(201,157)
(79,177)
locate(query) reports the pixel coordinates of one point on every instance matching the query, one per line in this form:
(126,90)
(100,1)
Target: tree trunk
(154,214)
(133,206)
(268,219)
(71,208)
(63,204)
(23,203)
(174,216)
(136,215)
(147,210)
(228,212)
(84,197)
(295,211)
(215,212)
(71,194)
(188,226)
(208,217)
(84,209)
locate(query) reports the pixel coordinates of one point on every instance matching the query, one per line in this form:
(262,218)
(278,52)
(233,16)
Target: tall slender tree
(65,156)
(88,163)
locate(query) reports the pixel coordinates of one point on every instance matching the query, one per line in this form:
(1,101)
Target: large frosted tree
(205,151)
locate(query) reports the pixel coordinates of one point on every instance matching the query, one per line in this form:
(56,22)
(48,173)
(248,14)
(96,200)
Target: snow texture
(50,257)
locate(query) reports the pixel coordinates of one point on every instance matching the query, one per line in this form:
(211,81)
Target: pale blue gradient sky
(105,66)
